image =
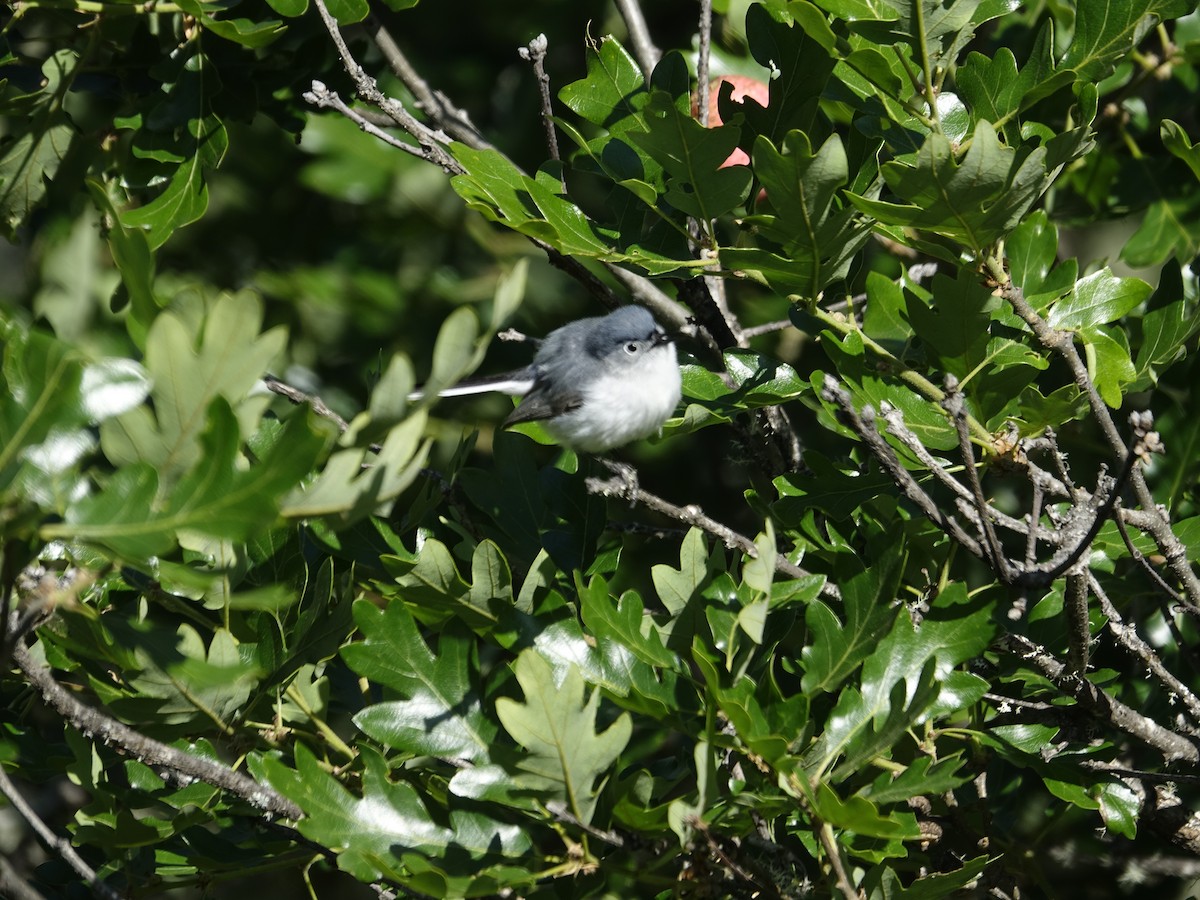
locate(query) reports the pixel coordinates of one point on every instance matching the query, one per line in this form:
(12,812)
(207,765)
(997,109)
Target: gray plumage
(596,383)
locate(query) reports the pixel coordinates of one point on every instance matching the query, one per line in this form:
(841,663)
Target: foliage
(955,630)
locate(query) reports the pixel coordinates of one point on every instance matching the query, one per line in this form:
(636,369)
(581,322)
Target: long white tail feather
(517,387)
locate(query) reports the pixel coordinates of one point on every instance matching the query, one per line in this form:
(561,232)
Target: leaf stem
(926,67)
(293,693)
(915,380)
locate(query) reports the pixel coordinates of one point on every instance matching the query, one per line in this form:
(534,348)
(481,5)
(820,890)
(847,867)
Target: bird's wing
(540,403)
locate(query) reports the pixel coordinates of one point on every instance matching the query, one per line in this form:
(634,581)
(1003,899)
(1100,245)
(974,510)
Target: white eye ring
(632,347)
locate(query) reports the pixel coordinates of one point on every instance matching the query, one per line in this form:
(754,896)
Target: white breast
(623,406)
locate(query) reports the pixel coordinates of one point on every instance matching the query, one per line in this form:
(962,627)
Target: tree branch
(432,143)
(1128,638)
(180,766)
(434,104)
(535,53)
(624,485)
(58,845)
(1101,706)
(1062,342)
(639,35)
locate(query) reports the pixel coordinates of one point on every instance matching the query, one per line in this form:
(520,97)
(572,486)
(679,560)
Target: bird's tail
(516,383)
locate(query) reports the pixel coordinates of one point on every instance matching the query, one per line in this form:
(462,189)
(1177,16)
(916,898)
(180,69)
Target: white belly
(623,406)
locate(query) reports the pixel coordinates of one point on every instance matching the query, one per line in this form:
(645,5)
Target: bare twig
(767,328)
(1128,638)
(535,53)
(448,117)
(863,424)
(1079,631)
(834,853)
(1062,342)
(299,397)
(13,886)
(322,97)
(955,404)
(58,845)
(179,766)
(432,142)
(639,35)
(624,486)
(1100,705)
(705,45)
(1140,558)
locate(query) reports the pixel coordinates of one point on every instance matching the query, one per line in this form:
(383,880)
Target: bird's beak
(661,337)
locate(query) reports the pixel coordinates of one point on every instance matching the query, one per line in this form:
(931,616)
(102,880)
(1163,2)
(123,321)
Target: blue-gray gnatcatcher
(596,383)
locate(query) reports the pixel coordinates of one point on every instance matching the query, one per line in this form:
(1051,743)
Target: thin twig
(863,424)
(639,35)
(767,328)
(58,845)
(1128,638)
(448,117)
(13,886)
(299,397)
(702,54)
(1079,630)
(1062,342)
(1103,707)
(624,485)
(432,142)
(323,98)
(955,404)
(1140,558)
(834,853)
(180,766)
(535,53)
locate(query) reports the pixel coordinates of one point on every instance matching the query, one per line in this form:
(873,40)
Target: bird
(595,384)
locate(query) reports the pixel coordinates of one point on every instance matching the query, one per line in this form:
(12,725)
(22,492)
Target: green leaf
(347,12)
(676,587)
(1032,251)
(564,753)
(1176,141)
(190,680)
(1106,30)
(624,623)
(956,326)
(1165,331)
(900,681)
(131,252)
(837,649)
(372,833)
(833,490)
(1097,299)
(1170,227)
(1109,364)
(996,91)
(800,52)
(441,713)
(33,148)
(227,361)
(817,239)
(1119,807)
(613,93)
(976,201)
(860,816)
(922,777)
(501,192)
(291,8)
(692,157)
(137,517)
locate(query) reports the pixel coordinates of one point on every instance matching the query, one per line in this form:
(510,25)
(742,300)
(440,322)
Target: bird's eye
(632,348)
